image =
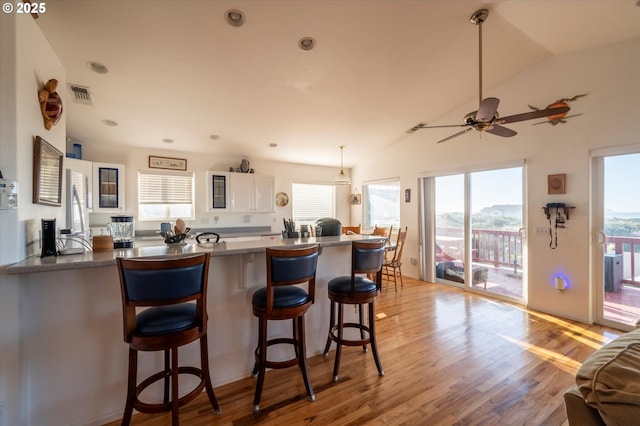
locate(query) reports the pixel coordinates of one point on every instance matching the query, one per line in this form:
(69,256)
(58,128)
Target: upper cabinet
(217,192)
(108,188)
(240,192)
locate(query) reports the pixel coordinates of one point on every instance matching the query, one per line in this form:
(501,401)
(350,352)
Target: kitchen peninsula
(71,321)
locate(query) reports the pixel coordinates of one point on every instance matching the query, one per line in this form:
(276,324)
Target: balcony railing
(504,248)
(629,247)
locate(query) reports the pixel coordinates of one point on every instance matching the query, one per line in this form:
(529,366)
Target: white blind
(311,202)
(165,188)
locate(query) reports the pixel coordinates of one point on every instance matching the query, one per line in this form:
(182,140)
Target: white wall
(610,77)
(27,63)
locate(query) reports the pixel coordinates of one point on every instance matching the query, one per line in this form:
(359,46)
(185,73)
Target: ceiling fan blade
(487,109)
(533,114)
(439,127)
(501,131)
(455,135)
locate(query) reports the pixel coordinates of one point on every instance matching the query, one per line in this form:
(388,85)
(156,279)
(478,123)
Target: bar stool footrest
(278,364)
(149,408)
(349,342)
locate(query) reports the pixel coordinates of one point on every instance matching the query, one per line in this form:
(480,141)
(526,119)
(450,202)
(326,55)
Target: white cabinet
(240,192)
(108,188)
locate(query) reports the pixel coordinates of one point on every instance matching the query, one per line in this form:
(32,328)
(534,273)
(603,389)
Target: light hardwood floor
(450,358)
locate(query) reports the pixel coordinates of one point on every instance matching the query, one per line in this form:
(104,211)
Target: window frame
(295,199)
(366,224)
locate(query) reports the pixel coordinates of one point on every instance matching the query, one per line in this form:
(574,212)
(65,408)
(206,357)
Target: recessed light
(214,137)
(167,140)
(110,123)
(273,144)
(234,17)
(306,43)
(97,67)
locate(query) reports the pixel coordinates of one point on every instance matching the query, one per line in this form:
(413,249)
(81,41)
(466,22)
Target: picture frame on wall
(556,184)
(168,163)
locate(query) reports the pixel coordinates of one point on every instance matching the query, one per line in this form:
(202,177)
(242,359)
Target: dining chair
(382,231)
(392,266)
(350,230)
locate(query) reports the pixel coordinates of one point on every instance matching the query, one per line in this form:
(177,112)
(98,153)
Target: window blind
(311,202)
(165,188)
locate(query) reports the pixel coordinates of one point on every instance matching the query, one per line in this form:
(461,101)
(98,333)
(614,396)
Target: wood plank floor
(450,358)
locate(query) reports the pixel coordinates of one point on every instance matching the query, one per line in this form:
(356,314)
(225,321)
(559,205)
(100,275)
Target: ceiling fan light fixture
(234,17)
(342,178)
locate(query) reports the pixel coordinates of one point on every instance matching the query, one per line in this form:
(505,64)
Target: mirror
(47,173)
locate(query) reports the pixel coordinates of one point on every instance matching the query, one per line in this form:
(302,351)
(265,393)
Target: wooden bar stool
(174,291)
(281,299)
(366,258)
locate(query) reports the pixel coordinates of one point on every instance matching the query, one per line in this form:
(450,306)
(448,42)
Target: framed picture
(407,195)
(156,162)
(556,184)
(47,173)
(356,199)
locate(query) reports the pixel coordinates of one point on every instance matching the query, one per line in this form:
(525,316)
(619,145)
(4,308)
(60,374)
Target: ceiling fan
(486,118)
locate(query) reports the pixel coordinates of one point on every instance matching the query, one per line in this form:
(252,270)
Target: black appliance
(49,247)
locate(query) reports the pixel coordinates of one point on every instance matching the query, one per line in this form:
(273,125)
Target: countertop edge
(35,264)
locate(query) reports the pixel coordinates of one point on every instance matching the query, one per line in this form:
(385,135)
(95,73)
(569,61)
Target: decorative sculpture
(50,104)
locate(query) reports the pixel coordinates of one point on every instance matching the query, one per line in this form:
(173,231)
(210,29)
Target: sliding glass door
(617,252)
(472,225)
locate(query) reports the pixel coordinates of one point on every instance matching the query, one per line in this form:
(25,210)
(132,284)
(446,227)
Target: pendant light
(342,179)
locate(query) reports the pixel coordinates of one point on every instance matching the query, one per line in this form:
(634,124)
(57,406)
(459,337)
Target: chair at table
(350,230)
(282,299)
(392,266)
(355,289)
(174,291)
(382,231)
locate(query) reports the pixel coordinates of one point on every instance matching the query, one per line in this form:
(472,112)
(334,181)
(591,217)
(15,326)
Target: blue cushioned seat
(283,297)
(343,285)
(166,319)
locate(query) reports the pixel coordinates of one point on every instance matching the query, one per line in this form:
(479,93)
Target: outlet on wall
(542,231)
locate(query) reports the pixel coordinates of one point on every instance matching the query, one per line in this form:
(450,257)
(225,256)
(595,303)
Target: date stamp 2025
(24,7)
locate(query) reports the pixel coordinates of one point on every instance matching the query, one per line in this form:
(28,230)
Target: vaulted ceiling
(178,71)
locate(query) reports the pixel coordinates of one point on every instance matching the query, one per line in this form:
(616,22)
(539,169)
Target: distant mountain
(622,215)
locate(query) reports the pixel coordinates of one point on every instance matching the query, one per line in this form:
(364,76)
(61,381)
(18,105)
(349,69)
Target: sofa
(607,390)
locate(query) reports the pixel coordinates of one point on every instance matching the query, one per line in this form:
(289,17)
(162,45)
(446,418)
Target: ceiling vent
(80,94)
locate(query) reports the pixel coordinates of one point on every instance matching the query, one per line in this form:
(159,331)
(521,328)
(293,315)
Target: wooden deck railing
(629,247)
(504,248)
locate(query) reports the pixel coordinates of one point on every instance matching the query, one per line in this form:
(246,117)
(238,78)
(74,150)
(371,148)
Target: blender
(122,230)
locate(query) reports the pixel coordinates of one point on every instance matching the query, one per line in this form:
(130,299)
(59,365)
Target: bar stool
(366,258)
(174,291)
(281,300)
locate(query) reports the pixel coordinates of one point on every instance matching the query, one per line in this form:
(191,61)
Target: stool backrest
(291,266)
(367,258)
(159,282)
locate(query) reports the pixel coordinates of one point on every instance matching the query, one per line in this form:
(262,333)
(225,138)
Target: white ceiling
(177,70)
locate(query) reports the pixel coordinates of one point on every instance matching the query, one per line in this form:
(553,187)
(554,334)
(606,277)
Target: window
(165,195)
(381,202)
(311,202)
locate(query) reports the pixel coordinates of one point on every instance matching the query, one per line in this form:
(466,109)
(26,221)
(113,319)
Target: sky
(622,183)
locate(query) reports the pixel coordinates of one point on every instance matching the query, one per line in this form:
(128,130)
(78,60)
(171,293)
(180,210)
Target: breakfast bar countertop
(107,258)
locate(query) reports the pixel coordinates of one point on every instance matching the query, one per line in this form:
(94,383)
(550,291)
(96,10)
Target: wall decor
(355,198)
(407,195)
(47,173)
(50,104)
(156,162)
(556,184)
(282,199)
